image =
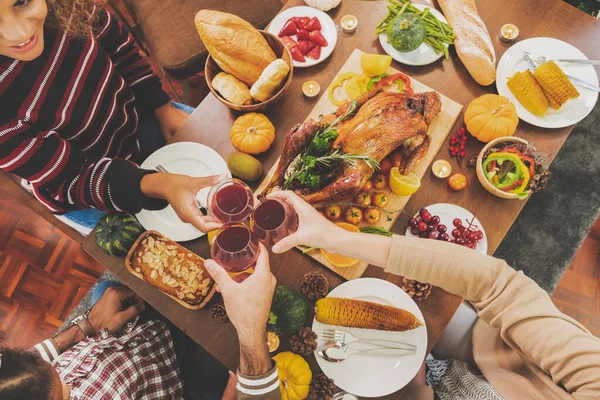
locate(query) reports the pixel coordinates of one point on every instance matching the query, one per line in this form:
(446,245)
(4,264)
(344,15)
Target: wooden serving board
(438,131)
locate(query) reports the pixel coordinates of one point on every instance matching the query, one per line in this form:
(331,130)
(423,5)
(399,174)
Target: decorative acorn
(304,342)
(321,388)
(417,290)
(218,313)
(472,162)
(315,285)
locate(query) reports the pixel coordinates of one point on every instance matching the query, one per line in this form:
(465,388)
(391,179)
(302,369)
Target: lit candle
(509,33)
(349,23)
(311,88)
(441,169)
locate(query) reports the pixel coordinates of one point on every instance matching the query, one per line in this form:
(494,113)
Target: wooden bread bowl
(212,69)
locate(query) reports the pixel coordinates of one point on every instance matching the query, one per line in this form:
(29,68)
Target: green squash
(406,32)
(117,232)
(288,311)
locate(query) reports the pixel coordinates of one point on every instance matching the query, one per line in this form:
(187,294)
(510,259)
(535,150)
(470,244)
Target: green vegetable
(321,142)
(376,79)
(117,232)
(376,230)
(288,311)
(506,178)
(406,32)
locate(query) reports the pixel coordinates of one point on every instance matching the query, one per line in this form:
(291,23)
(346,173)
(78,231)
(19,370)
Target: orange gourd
(491,116)
(252,133)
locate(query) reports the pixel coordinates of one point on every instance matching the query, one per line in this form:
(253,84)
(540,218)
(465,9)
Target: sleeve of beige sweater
(506,299)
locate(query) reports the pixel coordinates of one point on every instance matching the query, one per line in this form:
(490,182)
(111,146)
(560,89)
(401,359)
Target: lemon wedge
(375,64)
(337,260)
(403,185)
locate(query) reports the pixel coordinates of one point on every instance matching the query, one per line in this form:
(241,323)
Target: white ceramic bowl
(479,168)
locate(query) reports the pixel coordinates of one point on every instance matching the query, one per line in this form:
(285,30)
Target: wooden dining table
(211,121)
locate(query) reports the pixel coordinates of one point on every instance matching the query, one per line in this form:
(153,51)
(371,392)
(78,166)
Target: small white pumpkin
(323,5)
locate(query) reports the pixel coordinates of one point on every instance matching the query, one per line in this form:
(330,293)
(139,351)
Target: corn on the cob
(555,84)
(364,314)
(529,92)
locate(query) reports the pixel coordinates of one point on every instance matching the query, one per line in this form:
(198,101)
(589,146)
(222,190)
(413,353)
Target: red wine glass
(230,200)
(234,248)
(272,220)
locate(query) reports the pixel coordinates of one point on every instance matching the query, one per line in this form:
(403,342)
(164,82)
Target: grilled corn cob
(364,314)
(529,92)
(555,84)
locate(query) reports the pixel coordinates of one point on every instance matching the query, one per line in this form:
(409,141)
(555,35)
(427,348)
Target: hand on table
(180,191)
(108,313)
(171,119)
(314,229)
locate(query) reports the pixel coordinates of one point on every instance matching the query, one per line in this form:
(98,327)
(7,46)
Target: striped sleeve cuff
(264,387)
(48,350)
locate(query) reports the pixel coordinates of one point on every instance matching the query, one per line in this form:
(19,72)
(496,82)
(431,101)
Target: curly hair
(76,17)
(24,375)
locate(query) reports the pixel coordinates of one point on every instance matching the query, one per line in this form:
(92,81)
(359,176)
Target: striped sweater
(68,120)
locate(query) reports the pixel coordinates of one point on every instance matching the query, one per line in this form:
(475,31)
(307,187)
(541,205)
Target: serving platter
(438,131)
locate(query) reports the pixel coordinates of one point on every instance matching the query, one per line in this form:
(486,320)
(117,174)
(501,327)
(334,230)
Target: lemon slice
(211,236)
(403,185)
(375,64)
(337,260)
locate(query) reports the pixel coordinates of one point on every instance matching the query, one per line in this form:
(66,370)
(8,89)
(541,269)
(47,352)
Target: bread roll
(270,80)
(236,46)
(473,43)
(232,89)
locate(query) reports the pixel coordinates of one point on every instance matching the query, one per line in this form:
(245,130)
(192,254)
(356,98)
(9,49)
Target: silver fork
(160,168)
(533,65)
(346,338)
(539,59)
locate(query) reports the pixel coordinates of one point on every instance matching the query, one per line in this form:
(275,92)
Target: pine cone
(472,162)
(304,342)
(321,388)
(417,290)
(218,313)
(315,285)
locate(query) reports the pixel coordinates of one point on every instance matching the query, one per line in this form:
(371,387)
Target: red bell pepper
(315,53)
(289,28)
(531,162)
(514,185)
(318,38)
(390,80)
(313,24)
(301,21)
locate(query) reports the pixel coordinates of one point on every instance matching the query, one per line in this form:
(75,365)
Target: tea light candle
(509,33)
(441,169)
(349,23)
(311,88)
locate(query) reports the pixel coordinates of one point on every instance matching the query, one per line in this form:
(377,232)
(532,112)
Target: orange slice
(337,260)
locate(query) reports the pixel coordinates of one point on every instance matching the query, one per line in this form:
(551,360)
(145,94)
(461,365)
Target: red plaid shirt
(139,364)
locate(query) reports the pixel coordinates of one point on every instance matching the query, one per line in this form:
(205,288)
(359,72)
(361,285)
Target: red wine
(234,239)
(234,248)
(230,201)
(273,220)
(269,215)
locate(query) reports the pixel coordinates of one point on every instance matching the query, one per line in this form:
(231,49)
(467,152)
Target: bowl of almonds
(171,268)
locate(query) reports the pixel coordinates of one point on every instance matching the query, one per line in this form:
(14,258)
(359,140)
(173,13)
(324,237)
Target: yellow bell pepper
(338,83)
(357,86)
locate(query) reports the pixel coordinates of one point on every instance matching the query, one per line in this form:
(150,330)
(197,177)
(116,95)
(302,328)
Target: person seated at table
(80,107)
(116,355)
(524,346)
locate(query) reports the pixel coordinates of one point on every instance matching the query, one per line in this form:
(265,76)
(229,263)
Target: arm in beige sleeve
(507,299)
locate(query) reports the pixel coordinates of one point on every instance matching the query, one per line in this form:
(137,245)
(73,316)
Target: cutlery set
(534,60)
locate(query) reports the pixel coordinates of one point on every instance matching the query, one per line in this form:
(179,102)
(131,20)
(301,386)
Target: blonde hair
(75,17)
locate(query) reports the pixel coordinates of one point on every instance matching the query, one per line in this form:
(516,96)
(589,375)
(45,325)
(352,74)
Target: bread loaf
(235,45)
(473,43)
(232,89)
(270,80)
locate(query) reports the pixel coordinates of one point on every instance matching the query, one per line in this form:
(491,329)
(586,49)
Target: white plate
(572,111)
(423,55)
(328,29)
(186,158)
(447,213)
(375,375)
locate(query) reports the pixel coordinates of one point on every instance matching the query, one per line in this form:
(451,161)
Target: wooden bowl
(212,69)
(479,167)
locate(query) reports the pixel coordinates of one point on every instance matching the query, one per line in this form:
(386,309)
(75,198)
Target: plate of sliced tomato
(308,33)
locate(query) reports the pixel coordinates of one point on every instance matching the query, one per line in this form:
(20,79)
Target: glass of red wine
(230,200)
(272,220)
(234,248)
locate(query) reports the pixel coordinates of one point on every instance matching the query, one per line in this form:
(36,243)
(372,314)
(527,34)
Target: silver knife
(583,83)
(575,61)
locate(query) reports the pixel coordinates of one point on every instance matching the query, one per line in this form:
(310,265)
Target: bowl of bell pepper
(510,168)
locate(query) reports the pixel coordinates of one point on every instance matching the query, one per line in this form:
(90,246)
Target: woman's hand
(180,191)
(314,230)
(171,119)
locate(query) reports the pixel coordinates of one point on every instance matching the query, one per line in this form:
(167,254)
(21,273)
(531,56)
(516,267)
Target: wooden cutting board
(438,131)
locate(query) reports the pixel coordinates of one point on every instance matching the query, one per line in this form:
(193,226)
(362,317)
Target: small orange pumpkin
(252,133)
(491,116)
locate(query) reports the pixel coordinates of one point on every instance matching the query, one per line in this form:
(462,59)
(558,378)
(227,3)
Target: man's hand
(171,119)
(248,305)
(108,313)
(180,191)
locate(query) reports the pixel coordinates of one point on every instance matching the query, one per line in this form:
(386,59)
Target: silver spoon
(336,352)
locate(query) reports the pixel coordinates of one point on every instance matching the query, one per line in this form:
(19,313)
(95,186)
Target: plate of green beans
(439,35)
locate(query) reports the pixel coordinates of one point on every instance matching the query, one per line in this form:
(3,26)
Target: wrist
(162,110)
(337,242)
(68,338)
(153,185)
